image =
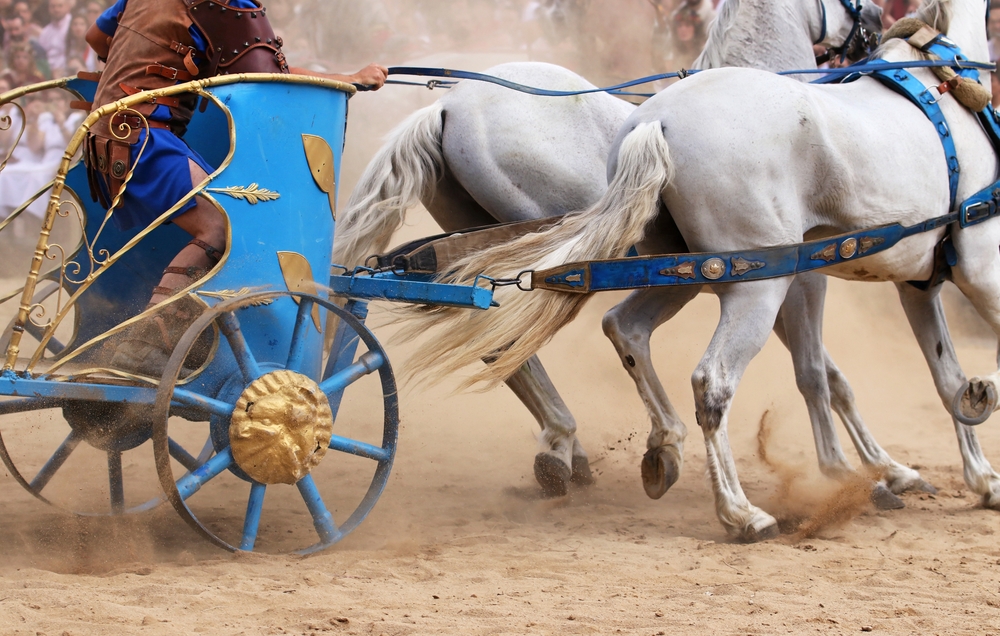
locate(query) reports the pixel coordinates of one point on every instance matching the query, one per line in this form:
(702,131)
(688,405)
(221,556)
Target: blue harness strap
(903,82)
(774,262)
(787,260)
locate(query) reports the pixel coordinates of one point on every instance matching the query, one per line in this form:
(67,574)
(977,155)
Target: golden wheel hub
(281,428)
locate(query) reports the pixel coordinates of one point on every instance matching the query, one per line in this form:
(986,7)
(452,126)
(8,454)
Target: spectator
(6,10)
(17,35)
(21,67)
(687,29)
(94,9)
(661,34)
(79,55)
(39,11)
(31,28)
(893,10)
(53,36)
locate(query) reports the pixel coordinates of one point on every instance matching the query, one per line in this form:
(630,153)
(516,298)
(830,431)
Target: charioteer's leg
(147,345)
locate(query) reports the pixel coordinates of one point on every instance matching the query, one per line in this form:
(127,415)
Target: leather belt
(135,122)
(169,72)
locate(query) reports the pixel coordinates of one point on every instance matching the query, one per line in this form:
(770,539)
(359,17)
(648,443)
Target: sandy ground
(460,543)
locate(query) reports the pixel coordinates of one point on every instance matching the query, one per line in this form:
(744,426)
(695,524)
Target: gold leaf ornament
(252,194)
(229,294)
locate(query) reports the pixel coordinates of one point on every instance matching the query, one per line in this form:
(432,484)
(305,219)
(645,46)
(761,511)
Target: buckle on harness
(978,212)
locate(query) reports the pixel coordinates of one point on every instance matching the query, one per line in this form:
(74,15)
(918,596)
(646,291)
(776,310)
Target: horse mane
(712,55)
(936,13)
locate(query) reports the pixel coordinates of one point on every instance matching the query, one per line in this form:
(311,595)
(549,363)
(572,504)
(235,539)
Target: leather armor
(239,40)
(153,48)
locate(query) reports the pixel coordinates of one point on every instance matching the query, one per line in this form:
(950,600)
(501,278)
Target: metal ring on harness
(511,282)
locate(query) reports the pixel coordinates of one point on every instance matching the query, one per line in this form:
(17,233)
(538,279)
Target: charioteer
(153,44)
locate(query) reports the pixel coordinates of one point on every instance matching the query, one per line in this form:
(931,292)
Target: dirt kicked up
(461,544)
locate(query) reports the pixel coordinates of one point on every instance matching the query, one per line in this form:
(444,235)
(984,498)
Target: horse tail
(405,168)
(507,336)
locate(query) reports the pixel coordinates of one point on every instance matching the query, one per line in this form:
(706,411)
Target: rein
(451,76)
(774,262)
(783,260)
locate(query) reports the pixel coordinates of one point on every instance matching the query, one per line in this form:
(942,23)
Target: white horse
(743,160)
(484,154)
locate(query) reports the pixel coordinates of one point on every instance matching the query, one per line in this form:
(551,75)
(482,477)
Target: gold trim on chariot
(198,87)
(280,428)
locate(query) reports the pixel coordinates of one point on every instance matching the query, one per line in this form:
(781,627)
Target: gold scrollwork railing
(100,262)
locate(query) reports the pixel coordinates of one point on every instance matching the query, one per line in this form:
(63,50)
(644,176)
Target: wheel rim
(65,454)
(346,448)
(62,458)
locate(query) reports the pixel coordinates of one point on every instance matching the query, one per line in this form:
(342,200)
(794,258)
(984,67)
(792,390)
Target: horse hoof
(974,402)
(552,475)
(660,471)
(755,535)
(581,471)
(923,486)
(883,499)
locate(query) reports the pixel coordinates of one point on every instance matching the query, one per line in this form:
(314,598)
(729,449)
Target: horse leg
(629,325)
(926,316)
(896,477)
(561,459)
(800,327)
(749,310)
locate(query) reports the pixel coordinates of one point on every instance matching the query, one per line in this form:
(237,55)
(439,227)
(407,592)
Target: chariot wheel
(274,431)
(83,457)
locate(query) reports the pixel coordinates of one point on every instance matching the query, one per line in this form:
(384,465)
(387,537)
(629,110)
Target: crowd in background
(42,39)
(605,40)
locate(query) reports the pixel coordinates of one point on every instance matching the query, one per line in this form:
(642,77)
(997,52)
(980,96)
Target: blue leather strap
(904,83)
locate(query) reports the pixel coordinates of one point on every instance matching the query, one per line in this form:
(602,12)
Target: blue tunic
(162,176)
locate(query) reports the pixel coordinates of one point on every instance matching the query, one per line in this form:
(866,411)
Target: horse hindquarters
(512,333)
(403,170)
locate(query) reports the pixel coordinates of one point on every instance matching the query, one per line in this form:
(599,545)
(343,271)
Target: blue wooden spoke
(230,327)
(56,462)
(303,320)
(115,481)
(193,481)
(359,449)
(252,521)
(322,519)
(345,345)
(367,363)
(210,405)
(184,458)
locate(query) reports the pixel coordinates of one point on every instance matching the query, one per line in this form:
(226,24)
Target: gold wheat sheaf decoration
(228,294)
(252,194)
